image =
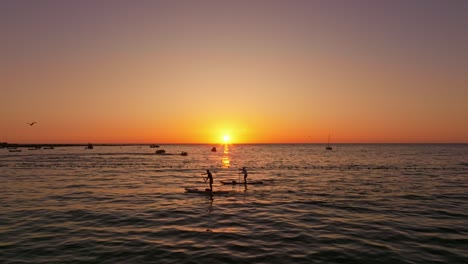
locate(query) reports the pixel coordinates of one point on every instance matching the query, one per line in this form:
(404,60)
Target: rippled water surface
(124,204)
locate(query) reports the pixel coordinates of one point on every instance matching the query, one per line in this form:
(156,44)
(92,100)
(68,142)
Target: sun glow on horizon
(226,139)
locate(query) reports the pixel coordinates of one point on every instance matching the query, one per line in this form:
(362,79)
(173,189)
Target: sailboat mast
(328,144)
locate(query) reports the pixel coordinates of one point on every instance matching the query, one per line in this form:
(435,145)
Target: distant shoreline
(32,145)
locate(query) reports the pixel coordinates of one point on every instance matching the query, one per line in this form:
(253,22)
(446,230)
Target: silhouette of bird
(31,124)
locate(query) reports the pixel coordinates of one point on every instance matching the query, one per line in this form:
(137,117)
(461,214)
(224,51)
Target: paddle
(205,179)
(238,173)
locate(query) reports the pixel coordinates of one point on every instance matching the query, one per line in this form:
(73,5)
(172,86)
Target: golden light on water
(226,160)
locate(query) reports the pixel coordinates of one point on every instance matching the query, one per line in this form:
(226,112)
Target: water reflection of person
(210,207)
(244,171)
(209,176)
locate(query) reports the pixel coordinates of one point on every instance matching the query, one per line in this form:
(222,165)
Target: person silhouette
(244,171)
(209,176)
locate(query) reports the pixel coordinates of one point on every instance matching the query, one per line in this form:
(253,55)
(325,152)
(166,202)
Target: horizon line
(260,143)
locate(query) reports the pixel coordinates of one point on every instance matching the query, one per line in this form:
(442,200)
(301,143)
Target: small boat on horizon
(163,152)
(90,146)
(328,147)
(213,149)
(160,152)
(14,150)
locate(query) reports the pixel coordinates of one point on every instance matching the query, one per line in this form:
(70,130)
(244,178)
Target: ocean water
(124,204)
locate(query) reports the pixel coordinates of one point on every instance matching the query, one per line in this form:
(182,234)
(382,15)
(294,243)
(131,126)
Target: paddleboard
(234,182)
(205,191)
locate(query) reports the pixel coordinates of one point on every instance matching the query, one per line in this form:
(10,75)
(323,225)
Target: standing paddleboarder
(209,176)
(244,171)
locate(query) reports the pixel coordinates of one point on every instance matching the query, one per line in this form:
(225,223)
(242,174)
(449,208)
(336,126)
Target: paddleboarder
(244,171)
(209,176)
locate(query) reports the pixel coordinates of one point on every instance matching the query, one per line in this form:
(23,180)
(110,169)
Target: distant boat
(183,153)
(35,147)
(154,146)
(328,144)
(160,152)
(14,150)
(90,146)
(213,149)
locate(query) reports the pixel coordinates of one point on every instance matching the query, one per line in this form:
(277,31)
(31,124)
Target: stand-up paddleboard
(205,191)
(234,182)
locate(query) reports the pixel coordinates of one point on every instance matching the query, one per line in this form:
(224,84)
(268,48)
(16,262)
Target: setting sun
(202,77)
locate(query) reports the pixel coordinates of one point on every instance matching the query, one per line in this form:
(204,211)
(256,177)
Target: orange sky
(259,71)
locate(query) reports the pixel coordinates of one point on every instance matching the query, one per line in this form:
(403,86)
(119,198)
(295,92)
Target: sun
(226,139)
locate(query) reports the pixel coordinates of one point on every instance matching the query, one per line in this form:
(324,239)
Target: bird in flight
(31,124)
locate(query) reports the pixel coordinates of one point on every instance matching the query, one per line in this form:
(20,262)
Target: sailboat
(328,144)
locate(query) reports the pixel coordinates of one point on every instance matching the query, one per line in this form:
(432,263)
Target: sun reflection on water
(226,160)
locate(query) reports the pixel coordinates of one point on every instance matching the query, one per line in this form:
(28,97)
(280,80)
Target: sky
(256,71)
